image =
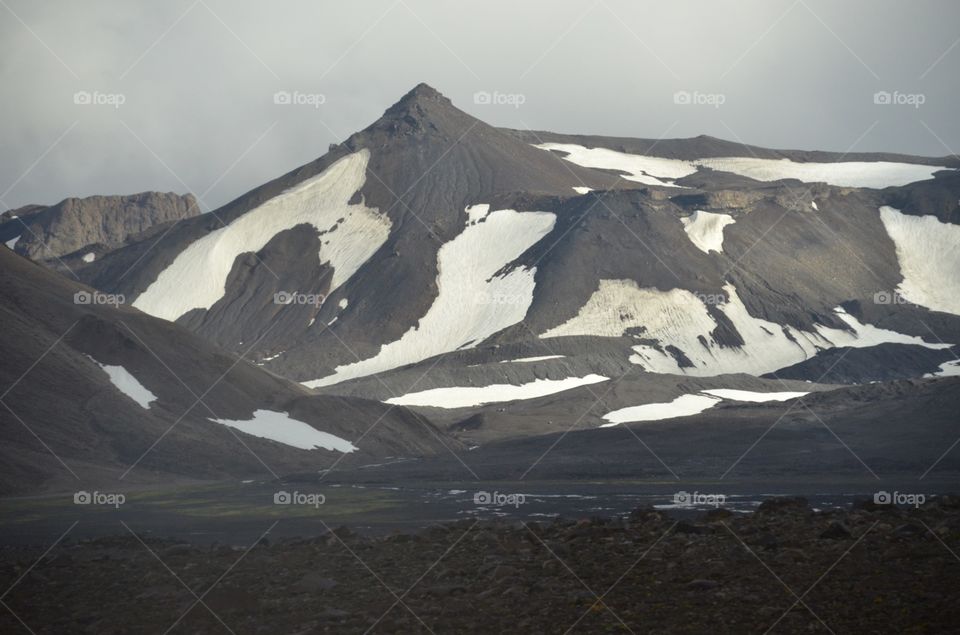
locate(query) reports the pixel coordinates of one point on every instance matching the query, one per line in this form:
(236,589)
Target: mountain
(97,393)
(75,231)
(431,233)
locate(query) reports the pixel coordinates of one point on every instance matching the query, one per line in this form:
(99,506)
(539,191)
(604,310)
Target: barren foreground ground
(870,569)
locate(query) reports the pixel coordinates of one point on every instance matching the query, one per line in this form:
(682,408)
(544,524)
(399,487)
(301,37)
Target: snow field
(678,317)
(705,230)
(468,307)
(660,171)
(197,277)
(929,255)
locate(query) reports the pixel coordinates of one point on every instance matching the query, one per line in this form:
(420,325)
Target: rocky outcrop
(106,222)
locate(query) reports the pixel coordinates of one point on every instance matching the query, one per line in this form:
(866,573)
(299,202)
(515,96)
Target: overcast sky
(197,80)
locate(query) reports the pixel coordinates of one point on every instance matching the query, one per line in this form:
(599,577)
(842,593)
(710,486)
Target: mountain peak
(423,110)
(421,99)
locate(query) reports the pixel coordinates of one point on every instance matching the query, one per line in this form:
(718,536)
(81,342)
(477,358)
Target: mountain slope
(431,232)
(101,394)
(414,172)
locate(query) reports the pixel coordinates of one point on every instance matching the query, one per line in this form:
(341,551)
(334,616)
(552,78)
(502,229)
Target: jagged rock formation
(92,225)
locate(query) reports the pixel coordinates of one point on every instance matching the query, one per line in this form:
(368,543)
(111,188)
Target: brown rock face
(105,221)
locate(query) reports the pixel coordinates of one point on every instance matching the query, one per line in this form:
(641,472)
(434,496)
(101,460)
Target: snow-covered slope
(465,396)
(929,255)
(752,396)
(475,297)
(652,170)
(642,169)
(350,235)
(875,174)
(680,318)
(705,229)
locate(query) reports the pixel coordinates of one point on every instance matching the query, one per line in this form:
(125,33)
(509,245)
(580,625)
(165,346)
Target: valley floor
(783,568)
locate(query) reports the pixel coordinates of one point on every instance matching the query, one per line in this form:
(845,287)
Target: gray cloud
(198,79)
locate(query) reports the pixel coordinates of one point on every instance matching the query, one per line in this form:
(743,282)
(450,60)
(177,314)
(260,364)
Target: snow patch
(680,318)
(89,257)
(271,358)
(682,406)
(476,212)
(343,303)
(196,279)
(751,396)
(661,171)
(126,383)
(929,255)
(475,297)
(691,404)
(813,204)
(531,359)
(705,230)
(638,168)
(465,396)
(874,174)
(13,241)
(579,189)
(280,427)
(947,369)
